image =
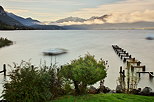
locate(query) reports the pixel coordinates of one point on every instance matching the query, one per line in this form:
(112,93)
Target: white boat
(55,51)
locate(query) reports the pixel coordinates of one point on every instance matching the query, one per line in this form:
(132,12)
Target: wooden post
(138,63)
(139,75)
(132,68)
(124,60)
(58,70)
(4,69)
(133,59)
(150,74)
(143,69)
(32,67)
(120,69)
(123,75)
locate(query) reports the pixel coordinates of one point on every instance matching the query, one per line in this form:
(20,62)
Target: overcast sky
(50,10)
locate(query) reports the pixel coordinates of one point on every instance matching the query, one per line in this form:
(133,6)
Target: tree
(84,71)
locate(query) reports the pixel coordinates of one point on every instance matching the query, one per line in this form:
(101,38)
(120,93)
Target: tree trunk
(83,88)
(77,90)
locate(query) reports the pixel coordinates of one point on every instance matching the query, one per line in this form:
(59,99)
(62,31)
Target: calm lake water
(30,44)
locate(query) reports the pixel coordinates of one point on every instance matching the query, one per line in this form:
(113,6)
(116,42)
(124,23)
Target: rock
(146,91)
(136,91)
(93,90)
(112,91)
(102,88)
(151,93)
(118,89)
(107,90)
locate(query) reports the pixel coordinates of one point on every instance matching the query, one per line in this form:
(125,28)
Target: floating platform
(55,51)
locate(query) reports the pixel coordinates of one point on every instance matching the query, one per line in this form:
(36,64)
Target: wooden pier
(142,67)
(151,74)
(126,57)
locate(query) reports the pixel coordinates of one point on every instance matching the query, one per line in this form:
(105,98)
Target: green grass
(106,98)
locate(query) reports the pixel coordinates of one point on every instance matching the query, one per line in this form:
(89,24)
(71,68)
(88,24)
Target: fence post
(4,69)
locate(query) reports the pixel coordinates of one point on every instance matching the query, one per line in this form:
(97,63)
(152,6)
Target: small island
(5,42)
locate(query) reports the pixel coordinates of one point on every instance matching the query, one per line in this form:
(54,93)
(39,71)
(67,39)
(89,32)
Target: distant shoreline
(76,29)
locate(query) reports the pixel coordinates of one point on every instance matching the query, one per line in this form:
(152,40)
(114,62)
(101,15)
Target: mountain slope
(4,26)
(24,21)
(8,20)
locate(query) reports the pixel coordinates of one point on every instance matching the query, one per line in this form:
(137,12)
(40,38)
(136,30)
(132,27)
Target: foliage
(31,84)
(106,98)
(5,42)
(84,71)
(4,26)
(41,84)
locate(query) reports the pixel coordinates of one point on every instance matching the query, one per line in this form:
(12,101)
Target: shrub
(84,71)
(31,84)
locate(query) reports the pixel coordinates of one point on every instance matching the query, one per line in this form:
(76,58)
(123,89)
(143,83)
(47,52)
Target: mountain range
(13,21)
(100,23)
(79,20)
(71,19)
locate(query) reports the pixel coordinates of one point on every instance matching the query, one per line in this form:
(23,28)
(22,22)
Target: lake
(29,45)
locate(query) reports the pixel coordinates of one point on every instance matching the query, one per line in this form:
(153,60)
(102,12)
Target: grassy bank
(106,98)
(5,42)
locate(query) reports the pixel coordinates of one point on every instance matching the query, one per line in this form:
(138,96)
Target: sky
(51,10)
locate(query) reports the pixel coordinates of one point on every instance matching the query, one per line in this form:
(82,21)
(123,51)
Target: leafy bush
(84,71)
(31,84)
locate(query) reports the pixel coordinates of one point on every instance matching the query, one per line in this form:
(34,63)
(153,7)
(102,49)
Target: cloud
(57,2)
(17,10)
(146,15)
(122,11)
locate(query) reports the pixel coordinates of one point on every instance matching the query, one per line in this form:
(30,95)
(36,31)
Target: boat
(55,51)
(150,37)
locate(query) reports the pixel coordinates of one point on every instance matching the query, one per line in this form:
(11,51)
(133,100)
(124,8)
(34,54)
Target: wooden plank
(131,59)
(125,56)
(143,67)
